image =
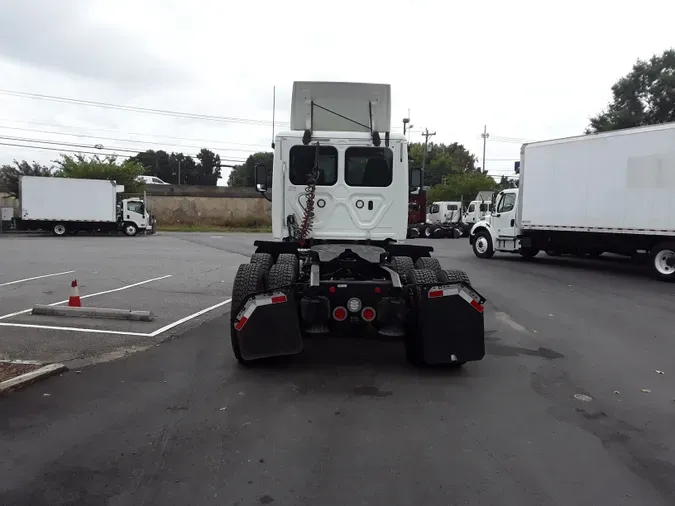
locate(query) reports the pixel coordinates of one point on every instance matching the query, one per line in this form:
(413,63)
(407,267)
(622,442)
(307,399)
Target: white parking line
(75,329)
(115,332)
(35,277)
(125,287)
(188,318)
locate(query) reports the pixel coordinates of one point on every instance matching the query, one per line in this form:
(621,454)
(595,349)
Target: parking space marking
(116,332)
(75,329)
(35,277)
(125,287)
(188,318)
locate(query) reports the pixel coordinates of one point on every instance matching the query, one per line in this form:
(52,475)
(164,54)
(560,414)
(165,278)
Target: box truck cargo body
(609,192)
(68,205)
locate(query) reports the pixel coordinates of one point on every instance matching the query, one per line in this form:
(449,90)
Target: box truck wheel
(59,229)
(528,252)
(663,261)
(130,229)
(482,245)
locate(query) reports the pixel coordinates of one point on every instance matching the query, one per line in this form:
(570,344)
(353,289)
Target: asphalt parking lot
(183,279)
(573,404)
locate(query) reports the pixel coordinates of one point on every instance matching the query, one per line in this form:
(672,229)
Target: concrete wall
(207,205)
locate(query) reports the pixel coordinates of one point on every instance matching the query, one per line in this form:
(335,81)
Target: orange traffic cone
(74,300)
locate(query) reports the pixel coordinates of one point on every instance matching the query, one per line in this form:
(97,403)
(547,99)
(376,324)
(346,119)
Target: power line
(120,140)
(146,110)
(207,141)
(63,150)
(88,146)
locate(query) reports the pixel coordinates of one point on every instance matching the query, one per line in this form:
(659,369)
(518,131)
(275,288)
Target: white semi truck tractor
(610,192)
(338,263)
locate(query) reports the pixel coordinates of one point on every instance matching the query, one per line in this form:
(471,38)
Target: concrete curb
(30,377)
(94,312)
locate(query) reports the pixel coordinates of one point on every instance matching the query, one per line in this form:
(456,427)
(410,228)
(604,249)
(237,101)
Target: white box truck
(67,205)
(609,192)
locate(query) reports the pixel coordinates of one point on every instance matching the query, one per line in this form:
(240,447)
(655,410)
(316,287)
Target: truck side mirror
(415,178)
(260,177)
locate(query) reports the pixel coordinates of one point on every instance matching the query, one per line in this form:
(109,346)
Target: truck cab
(499,230)
(445,212)
(335,173)
(133,216)
(476,211)
(360,191)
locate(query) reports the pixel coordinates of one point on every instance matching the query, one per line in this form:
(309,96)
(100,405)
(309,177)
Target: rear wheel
(281,275)
(413,346)
(528,252)
(663,261)
(263,259)
(289,259)
(59,229)
(402,266)
(250,278)
(429,263)
(453,276)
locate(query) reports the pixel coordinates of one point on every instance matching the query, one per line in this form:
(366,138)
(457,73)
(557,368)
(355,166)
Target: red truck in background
(417,211)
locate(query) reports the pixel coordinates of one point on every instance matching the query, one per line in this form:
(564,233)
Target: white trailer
(609,192)
(67,205)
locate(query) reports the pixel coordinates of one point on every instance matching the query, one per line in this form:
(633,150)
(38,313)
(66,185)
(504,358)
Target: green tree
(442,160)
(83,167)
(208,168)
(10,174)
(158,164)
(645,96)
(242,175)
(462,186)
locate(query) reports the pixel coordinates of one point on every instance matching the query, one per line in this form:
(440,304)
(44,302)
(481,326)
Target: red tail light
(368,314)
(340,314)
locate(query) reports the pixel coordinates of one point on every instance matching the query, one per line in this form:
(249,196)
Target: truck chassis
(290,291)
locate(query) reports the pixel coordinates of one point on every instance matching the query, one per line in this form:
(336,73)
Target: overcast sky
(528,70)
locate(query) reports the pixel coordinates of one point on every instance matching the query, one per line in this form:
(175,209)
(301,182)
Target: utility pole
(179,172)
(426,135)
(485,136)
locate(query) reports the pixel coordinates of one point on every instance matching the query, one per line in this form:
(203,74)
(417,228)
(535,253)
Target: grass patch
(212,228)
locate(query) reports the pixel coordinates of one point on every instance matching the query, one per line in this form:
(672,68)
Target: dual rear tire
(261,274)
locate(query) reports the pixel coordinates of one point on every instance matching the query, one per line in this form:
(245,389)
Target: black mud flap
(267,325)
(450,323)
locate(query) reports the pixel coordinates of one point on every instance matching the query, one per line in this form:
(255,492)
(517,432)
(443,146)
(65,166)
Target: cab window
(135,207)
(302,164)
(369,167)
(506,203)
(472,207)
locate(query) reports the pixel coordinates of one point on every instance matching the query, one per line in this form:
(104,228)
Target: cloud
(65,36)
